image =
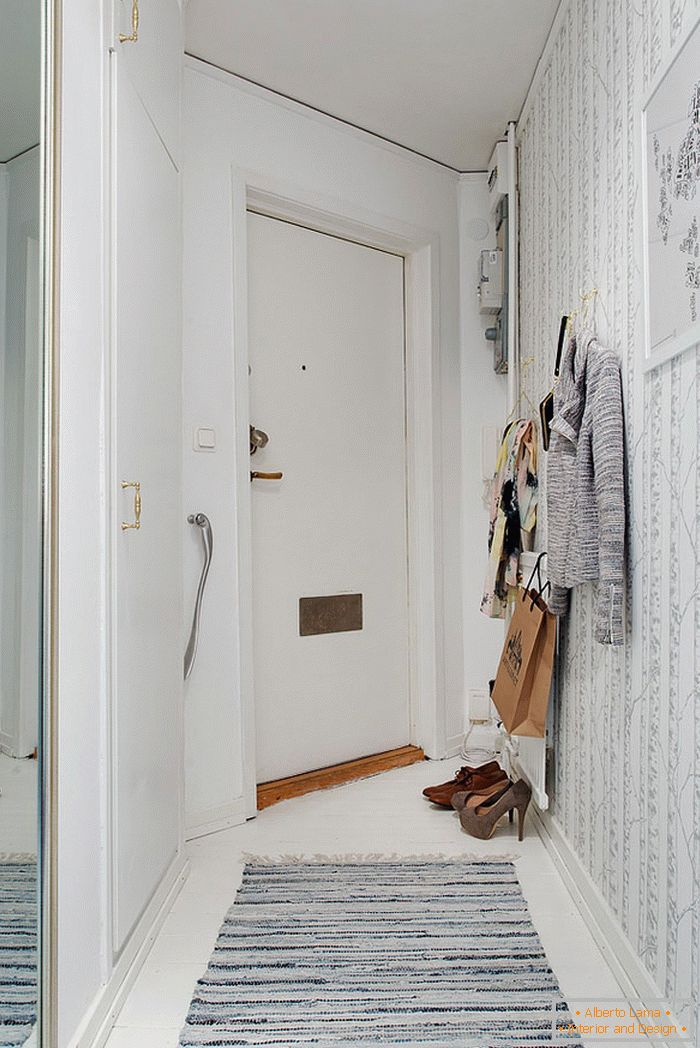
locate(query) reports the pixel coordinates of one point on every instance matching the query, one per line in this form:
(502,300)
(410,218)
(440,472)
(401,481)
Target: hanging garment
(513,510)
(585,484)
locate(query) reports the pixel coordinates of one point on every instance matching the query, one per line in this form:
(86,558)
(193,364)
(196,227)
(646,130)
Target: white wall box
(498,174)
(490,287)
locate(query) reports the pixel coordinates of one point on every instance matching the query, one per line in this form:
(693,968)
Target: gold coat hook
(135,524)
(586,298)
(583,310)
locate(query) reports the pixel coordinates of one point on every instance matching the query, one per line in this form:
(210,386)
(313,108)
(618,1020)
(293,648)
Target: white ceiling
(20,77)
(441,77)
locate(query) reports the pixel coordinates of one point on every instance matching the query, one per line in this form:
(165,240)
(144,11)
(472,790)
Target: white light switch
(204,439)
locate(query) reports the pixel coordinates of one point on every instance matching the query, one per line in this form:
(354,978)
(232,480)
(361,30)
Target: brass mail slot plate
(340,613)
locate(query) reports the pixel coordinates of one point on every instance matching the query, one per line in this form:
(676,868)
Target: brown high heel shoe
(479,814)
(494,789)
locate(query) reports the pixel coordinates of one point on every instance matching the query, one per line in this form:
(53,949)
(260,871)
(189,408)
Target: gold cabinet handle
(136,522)
(255,474)
(134,34)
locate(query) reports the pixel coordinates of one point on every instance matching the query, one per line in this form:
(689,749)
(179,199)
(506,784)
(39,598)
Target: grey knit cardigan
(585,484)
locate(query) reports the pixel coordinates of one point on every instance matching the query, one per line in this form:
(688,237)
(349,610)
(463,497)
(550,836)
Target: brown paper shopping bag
(521,691)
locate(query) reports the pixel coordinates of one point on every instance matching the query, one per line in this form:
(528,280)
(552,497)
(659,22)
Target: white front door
(330,606)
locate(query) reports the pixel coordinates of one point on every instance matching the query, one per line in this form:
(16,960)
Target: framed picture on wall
(671,188)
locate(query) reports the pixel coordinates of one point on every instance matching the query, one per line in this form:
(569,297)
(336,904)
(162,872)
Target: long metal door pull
(202,522)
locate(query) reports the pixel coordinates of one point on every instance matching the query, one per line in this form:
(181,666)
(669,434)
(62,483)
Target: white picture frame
(670,166)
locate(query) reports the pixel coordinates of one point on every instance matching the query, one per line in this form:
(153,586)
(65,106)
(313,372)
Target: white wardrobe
(146,525)
(120,764)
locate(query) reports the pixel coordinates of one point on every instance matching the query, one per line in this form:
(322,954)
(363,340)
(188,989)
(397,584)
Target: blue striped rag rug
(369,953)
(18,949)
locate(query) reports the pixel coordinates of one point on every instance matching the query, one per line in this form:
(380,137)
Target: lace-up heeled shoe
(466,780)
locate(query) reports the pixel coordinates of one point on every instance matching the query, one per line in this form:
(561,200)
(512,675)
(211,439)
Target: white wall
(17,690)
(483,403)
(626,784)
(229,124)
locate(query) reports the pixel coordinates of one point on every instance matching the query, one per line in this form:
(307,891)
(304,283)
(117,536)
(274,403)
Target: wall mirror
(23,271)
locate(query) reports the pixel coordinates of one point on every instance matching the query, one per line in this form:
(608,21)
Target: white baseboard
(201,824)
(99,1020)
(633,978)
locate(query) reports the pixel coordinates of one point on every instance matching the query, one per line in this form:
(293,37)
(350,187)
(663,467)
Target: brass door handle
(136,522)
(255,474)
(134,34)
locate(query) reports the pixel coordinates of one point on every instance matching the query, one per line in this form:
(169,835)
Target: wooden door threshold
(297,785)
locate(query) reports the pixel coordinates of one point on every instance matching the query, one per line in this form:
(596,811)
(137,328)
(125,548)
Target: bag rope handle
(541,588)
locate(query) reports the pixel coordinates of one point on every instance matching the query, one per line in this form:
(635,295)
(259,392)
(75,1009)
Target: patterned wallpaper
(626,789)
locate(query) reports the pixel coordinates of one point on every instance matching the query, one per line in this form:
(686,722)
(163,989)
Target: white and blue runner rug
(18,949)
(369,953)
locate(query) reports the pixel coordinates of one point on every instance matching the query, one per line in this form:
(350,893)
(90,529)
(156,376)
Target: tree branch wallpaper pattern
(626,777)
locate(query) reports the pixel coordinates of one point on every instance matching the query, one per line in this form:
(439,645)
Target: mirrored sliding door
(21,511)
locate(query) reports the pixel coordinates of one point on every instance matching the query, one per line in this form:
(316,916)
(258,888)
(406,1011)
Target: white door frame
(420,249)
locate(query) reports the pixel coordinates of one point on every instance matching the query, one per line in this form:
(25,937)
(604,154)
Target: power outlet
(479,705)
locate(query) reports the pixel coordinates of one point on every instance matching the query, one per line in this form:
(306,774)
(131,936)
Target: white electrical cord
(481,744)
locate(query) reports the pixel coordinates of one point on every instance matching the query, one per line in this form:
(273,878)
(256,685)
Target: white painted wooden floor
(18,805)
(383,814)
